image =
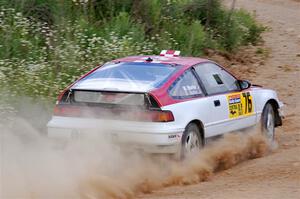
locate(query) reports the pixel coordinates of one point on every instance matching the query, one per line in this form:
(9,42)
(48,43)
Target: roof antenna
(149,59)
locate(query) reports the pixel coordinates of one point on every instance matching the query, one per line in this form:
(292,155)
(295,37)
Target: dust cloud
(34,166)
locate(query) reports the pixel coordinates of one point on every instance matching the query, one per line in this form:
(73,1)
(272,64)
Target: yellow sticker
(240,104)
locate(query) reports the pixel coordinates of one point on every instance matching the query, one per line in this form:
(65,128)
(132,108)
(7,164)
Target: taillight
(60,110)
(155,116)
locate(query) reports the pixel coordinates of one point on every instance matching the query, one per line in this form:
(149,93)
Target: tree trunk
(231,11)
(208,15)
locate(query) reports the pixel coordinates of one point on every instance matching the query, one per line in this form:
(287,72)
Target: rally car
(163,104)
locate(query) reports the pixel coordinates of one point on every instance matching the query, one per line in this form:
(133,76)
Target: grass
(45,45)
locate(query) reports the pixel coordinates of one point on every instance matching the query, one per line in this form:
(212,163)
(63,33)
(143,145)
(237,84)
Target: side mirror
(244,84)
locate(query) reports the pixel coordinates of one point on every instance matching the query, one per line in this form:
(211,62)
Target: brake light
(156,116)
(66,111)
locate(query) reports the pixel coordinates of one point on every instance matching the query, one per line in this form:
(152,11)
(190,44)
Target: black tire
(191,141)
(268,122)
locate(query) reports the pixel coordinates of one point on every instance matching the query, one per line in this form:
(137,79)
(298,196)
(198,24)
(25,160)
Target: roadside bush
(123,25)
(230,29)
(65,53)
(209,12)
(251,30)
(16,35)
(45,45)
(189,38)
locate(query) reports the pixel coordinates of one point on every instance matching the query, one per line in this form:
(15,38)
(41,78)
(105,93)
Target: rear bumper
(150,137)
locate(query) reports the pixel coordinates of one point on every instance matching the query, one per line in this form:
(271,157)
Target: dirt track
(277,175)
(30,167)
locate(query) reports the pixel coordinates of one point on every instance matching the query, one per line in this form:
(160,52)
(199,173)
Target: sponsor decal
(175,136)
(240,104)
(172,136)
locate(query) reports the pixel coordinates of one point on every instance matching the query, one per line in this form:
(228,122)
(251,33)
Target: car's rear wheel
(191,141)
(268,122)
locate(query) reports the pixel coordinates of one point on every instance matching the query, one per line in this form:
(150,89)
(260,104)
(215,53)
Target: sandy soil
(276,175)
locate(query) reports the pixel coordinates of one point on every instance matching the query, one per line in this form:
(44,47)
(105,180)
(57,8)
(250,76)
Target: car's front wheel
(268,122)
(191,141)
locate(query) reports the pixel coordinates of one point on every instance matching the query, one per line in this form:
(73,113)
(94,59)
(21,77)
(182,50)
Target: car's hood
(113,85)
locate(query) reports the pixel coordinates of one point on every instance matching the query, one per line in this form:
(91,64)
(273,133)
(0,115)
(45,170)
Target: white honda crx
(163,104)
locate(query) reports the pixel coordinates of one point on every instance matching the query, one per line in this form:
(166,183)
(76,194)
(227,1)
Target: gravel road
(278,174)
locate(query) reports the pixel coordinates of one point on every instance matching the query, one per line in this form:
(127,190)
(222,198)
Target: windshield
(127,77)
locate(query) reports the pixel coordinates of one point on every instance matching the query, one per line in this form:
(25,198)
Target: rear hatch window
(109,98)
(127,76)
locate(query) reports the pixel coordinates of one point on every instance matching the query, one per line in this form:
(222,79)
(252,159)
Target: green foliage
(45,45)
(240,29)
(148,13)
(192,37)
(16,32)
(229,29)
(44,68)
(124,25)
(249,29)
(209,12)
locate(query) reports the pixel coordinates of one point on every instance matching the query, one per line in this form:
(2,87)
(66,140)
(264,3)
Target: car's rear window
(109,98)
(130,75)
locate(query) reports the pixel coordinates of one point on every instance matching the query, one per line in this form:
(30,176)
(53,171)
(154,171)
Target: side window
(230,81)
(185,86)
(215,79)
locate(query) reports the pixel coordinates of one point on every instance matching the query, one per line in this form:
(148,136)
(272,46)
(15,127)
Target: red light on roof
(170,53)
